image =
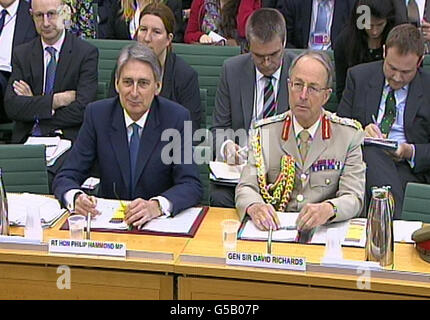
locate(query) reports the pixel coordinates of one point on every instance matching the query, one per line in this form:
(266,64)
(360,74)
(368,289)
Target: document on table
(353,231)
(180,223)
(287,232)
(49,208)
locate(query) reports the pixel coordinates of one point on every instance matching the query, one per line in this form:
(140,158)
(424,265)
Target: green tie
(304,144)
(389,114)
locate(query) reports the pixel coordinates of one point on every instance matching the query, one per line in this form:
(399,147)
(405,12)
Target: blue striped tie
(269,107)
(321,21)
(134,150)
(50,71)
(2,19)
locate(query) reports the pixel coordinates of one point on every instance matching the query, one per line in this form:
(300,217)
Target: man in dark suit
(16,27)
(391,100)
(304,16)
(54,77)
(126,135)
(240,94)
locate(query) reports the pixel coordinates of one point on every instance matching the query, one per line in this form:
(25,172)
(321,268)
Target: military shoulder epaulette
(271,119)
(345,121)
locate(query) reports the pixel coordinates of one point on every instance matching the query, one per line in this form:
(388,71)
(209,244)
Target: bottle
(33,227)
(379,230)
(4,217)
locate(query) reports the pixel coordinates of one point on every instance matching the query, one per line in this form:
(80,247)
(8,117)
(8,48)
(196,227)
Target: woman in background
(179,80)
(218,16)
(356,44)
(124,22)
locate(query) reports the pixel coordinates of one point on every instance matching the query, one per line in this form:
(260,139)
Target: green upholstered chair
(24,168)
(108,54)
(416,204)
(207,61)
(6,131)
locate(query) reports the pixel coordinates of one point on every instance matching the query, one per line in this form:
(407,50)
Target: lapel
(307,16)
(23,22)
(167,85)
(36,67)
(247,87)
(290,146)
(282,89)
(151,136)
(64,61)
(374,94)
(318,146)
(119,143)
(413,101)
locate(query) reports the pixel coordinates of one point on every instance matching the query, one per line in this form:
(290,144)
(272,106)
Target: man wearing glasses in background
(252,86)
(306,160)
(53,78)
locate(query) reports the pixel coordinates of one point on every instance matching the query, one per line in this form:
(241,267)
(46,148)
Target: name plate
(89,247)
(266,261)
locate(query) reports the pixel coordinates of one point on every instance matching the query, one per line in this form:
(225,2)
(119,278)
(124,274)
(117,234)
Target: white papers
(224,172)
(389,144)
(403,230)
(55,147)
(287,220)
(180,223)
(216,37)
(353,231)
(50,209)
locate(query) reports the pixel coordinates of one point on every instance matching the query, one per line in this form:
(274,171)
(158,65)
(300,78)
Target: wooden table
(204,275)
(27,274)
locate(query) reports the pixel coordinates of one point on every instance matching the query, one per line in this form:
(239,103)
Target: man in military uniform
(306,159)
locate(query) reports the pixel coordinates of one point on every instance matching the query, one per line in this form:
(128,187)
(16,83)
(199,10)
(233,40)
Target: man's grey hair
(320,56)
(264,25)
(139,52)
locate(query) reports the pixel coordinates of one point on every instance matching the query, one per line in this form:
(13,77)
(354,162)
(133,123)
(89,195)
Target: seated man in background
(252,87)
(124,135)
(391,99)
(16,27)
(306,160)
(53,78)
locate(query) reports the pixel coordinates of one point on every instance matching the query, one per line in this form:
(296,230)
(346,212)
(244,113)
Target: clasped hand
(137,213)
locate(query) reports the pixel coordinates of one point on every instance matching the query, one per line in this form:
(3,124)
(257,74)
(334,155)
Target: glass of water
(76,227)
(229,234)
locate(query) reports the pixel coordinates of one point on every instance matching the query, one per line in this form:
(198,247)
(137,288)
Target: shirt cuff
(412,161)
(165,205)
(69,199)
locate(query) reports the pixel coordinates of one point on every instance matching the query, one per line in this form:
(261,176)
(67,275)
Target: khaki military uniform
(333,170)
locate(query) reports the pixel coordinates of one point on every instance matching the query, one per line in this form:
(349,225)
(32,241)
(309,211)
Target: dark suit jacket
(76,70)
(361,99)
(119,29)
(298,14)
(24,27)
(234,98)
(180,84)
(103,138)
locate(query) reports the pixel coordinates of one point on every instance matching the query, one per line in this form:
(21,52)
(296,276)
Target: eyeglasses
(50,15)
(298,86)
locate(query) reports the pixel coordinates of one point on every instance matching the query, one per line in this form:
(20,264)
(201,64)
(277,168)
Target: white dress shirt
(165,204)
(6,37)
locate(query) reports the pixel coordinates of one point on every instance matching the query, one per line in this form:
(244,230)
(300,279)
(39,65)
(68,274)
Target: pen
(88,225)
(374,120)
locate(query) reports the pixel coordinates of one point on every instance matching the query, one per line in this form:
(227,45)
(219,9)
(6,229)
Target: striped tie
(269,107)
(134,149)
(50,71)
